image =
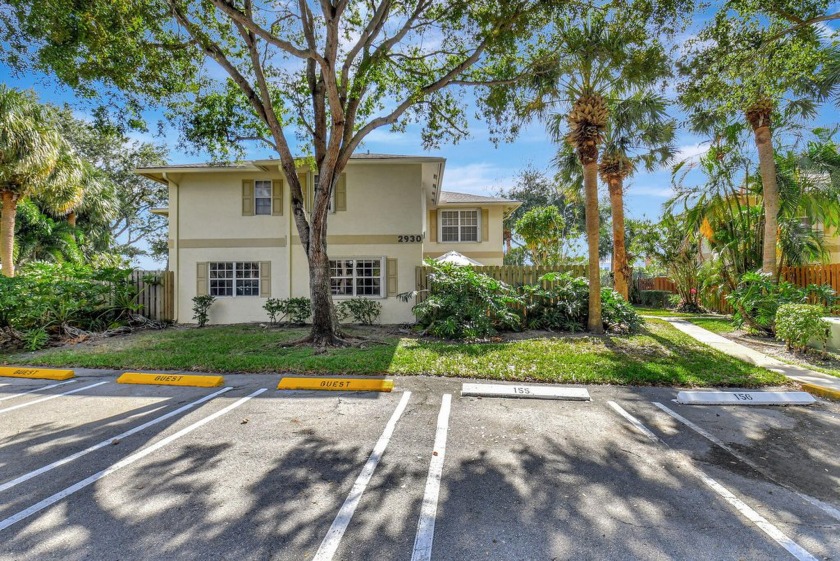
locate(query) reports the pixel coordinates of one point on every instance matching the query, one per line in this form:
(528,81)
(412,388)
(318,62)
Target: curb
(171,380)
(36,373)
(821,391)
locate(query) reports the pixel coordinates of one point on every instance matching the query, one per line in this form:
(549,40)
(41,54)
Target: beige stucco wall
(832,245)
(383,203)
(490,252)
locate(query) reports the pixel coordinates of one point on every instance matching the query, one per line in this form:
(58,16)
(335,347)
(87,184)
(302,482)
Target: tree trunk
(621,269)
(7,232)
(590,187)
(71,219)
(325,326)
(759,115)
(770,188)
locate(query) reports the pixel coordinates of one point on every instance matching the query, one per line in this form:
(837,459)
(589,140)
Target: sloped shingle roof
(450,197)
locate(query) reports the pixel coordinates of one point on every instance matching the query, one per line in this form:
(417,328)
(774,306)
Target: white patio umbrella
(457,259)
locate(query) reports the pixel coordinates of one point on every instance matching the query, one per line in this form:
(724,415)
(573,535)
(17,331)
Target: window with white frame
(459,225)
(235,279)
(262,197)
(357,277)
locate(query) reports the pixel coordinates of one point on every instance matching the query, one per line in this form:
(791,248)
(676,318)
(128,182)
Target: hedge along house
(232,234)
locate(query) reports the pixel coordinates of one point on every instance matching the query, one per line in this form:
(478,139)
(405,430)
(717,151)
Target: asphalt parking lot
(96,470)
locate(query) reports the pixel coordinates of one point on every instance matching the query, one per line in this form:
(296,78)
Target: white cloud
(479,179)
(691,152)
(661,191)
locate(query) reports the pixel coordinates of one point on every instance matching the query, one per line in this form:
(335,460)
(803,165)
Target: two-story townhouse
(232,234)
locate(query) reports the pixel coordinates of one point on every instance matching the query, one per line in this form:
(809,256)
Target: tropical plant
(798,325)
(29,151)
(675,244)
(599,62)
(201,308)
(557,301)
(464,304)
(362,310)
(744,72)
(55,297)
(758,296)
(543,231)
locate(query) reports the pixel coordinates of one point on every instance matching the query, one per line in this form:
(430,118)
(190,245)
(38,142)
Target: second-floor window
(235,279)
(262,197)
(459,225)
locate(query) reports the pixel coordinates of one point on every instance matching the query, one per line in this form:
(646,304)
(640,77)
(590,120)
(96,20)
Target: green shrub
(52,297)
(464,304)
(201,308)
(799,324)
(654,298)
(617,314)
(363,310)
(294,310)
(758,297)
(560,301)
(35,338)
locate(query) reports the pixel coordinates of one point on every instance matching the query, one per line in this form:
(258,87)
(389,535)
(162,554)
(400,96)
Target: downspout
(289,219)
(177,239)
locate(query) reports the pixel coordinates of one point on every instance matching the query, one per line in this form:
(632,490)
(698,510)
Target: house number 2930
(409,239)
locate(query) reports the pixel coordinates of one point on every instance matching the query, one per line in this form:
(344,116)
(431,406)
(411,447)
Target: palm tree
(598,63)
(638,133)
(28,154)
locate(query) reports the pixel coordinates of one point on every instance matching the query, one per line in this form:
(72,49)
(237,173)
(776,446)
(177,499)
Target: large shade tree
(747,68)
(325,73)
(599,62)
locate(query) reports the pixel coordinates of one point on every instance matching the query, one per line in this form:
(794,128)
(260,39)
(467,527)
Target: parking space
(249,472)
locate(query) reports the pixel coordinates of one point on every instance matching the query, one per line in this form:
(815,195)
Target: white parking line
(763,524)
(36,390)
(107,442)
(426,525)
(49,397)
(633,421)
(330,543)
(51,500)
(825,507)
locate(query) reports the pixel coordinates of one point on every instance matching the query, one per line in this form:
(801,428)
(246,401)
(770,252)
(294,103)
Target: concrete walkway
(816,382)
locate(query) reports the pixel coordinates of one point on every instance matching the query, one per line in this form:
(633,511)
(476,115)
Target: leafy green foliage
(799,324)
(35,338)
(654,298)
(464,304)
(617,313)
(543,231)
(201,308)
(296,310)
(54,297)
(362,310)
(758,297)
(558,301)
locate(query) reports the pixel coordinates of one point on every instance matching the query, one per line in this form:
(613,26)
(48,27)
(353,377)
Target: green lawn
(716,325)
(660,355)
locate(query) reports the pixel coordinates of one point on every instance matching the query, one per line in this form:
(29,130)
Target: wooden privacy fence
(656,283)
(513,275)
(155,293)
(715,299)
(814,274)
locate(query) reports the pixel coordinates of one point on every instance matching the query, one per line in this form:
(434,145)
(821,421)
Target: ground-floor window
(357,277)
(235,278)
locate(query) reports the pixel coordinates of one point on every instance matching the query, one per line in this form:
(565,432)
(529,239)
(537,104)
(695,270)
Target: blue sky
(474,165)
